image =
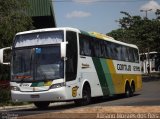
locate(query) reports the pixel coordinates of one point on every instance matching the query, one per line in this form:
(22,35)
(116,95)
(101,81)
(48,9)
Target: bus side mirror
(63,49)
(1,55)
(5,54)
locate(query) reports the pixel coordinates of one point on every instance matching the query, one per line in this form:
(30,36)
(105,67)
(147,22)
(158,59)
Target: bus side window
(97,48)
(93,54)
(131,55)
(108,48)
(71,62)
(103,51)
(127,54)
(136,56)
(124,54)
(105,48)
(87,50)
(119,52)
(81,43)
(113,51)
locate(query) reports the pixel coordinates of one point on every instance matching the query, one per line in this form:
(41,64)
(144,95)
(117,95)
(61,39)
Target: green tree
(157,13)
(13,19)
(143,32)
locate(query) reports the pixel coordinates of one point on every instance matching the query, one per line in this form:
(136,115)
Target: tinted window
(136,56)
(94,47)
(103,49)
(39,38)
(118,52)
(131,55)
(124,53)
(71,62)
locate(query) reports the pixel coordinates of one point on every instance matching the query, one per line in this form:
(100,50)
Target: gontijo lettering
(136,68)
(124,67)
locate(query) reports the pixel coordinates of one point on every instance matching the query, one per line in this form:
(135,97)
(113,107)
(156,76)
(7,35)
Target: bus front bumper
(57,94)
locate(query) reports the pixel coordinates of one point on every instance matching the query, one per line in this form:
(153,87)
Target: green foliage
(13,19)
(143,32)
(158,13)
(5,93)
(4,96)
(4,72)
(4,84)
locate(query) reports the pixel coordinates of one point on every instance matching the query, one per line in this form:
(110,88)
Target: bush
(4,72)
(5,96)
(4,84)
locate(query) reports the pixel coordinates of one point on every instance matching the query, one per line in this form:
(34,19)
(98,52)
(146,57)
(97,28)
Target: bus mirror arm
(63,49)
(2,54)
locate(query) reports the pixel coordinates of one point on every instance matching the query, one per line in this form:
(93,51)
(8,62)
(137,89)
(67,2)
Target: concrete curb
(29,106)
(7,108)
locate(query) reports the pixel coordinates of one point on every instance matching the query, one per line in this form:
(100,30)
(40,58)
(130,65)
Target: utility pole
(148,52)
(146,11)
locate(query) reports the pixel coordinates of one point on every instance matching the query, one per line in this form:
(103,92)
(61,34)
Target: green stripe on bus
(86,33)
(107,76)
(34,84)
(101,76)
(37,84)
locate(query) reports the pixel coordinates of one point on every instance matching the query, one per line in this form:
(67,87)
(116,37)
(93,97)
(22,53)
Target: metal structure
(42,13)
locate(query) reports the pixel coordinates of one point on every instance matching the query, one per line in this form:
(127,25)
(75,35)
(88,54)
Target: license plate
(35,96)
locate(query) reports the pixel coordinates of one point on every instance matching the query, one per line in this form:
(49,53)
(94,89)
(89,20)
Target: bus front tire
(41,105)
(86,96)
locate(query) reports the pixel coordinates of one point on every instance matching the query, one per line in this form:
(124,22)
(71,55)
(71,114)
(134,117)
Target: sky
(99,15)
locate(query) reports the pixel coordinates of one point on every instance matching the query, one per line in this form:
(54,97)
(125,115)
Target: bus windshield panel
(33,61)
(39,38)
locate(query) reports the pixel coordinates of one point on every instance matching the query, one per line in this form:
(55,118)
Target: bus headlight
(58,85)
(15,88)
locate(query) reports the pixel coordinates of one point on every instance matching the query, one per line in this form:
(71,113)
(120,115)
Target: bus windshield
(37,63)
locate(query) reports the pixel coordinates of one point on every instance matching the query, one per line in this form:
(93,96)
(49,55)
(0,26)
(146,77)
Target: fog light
(15,88)
(59,98)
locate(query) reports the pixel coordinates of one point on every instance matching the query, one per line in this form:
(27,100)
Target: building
(42,13)
(151,59)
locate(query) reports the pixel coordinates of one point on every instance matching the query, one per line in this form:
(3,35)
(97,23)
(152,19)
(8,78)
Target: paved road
(149,96)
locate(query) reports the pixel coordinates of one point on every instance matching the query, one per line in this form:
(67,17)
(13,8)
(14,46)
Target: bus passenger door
(71,65)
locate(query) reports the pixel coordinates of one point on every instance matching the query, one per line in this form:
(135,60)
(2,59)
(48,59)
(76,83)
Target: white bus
(152,59)
(66,64)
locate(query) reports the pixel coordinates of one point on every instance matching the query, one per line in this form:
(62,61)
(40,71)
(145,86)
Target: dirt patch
(102,112)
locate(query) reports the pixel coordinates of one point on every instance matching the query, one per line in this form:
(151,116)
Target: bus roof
(47,29)
(92,34)
(108,38)
(153,52)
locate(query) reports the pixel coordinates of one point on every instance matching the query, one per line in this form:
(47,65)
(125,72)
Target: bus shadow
(108,99)
(70,105)
(52,108)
